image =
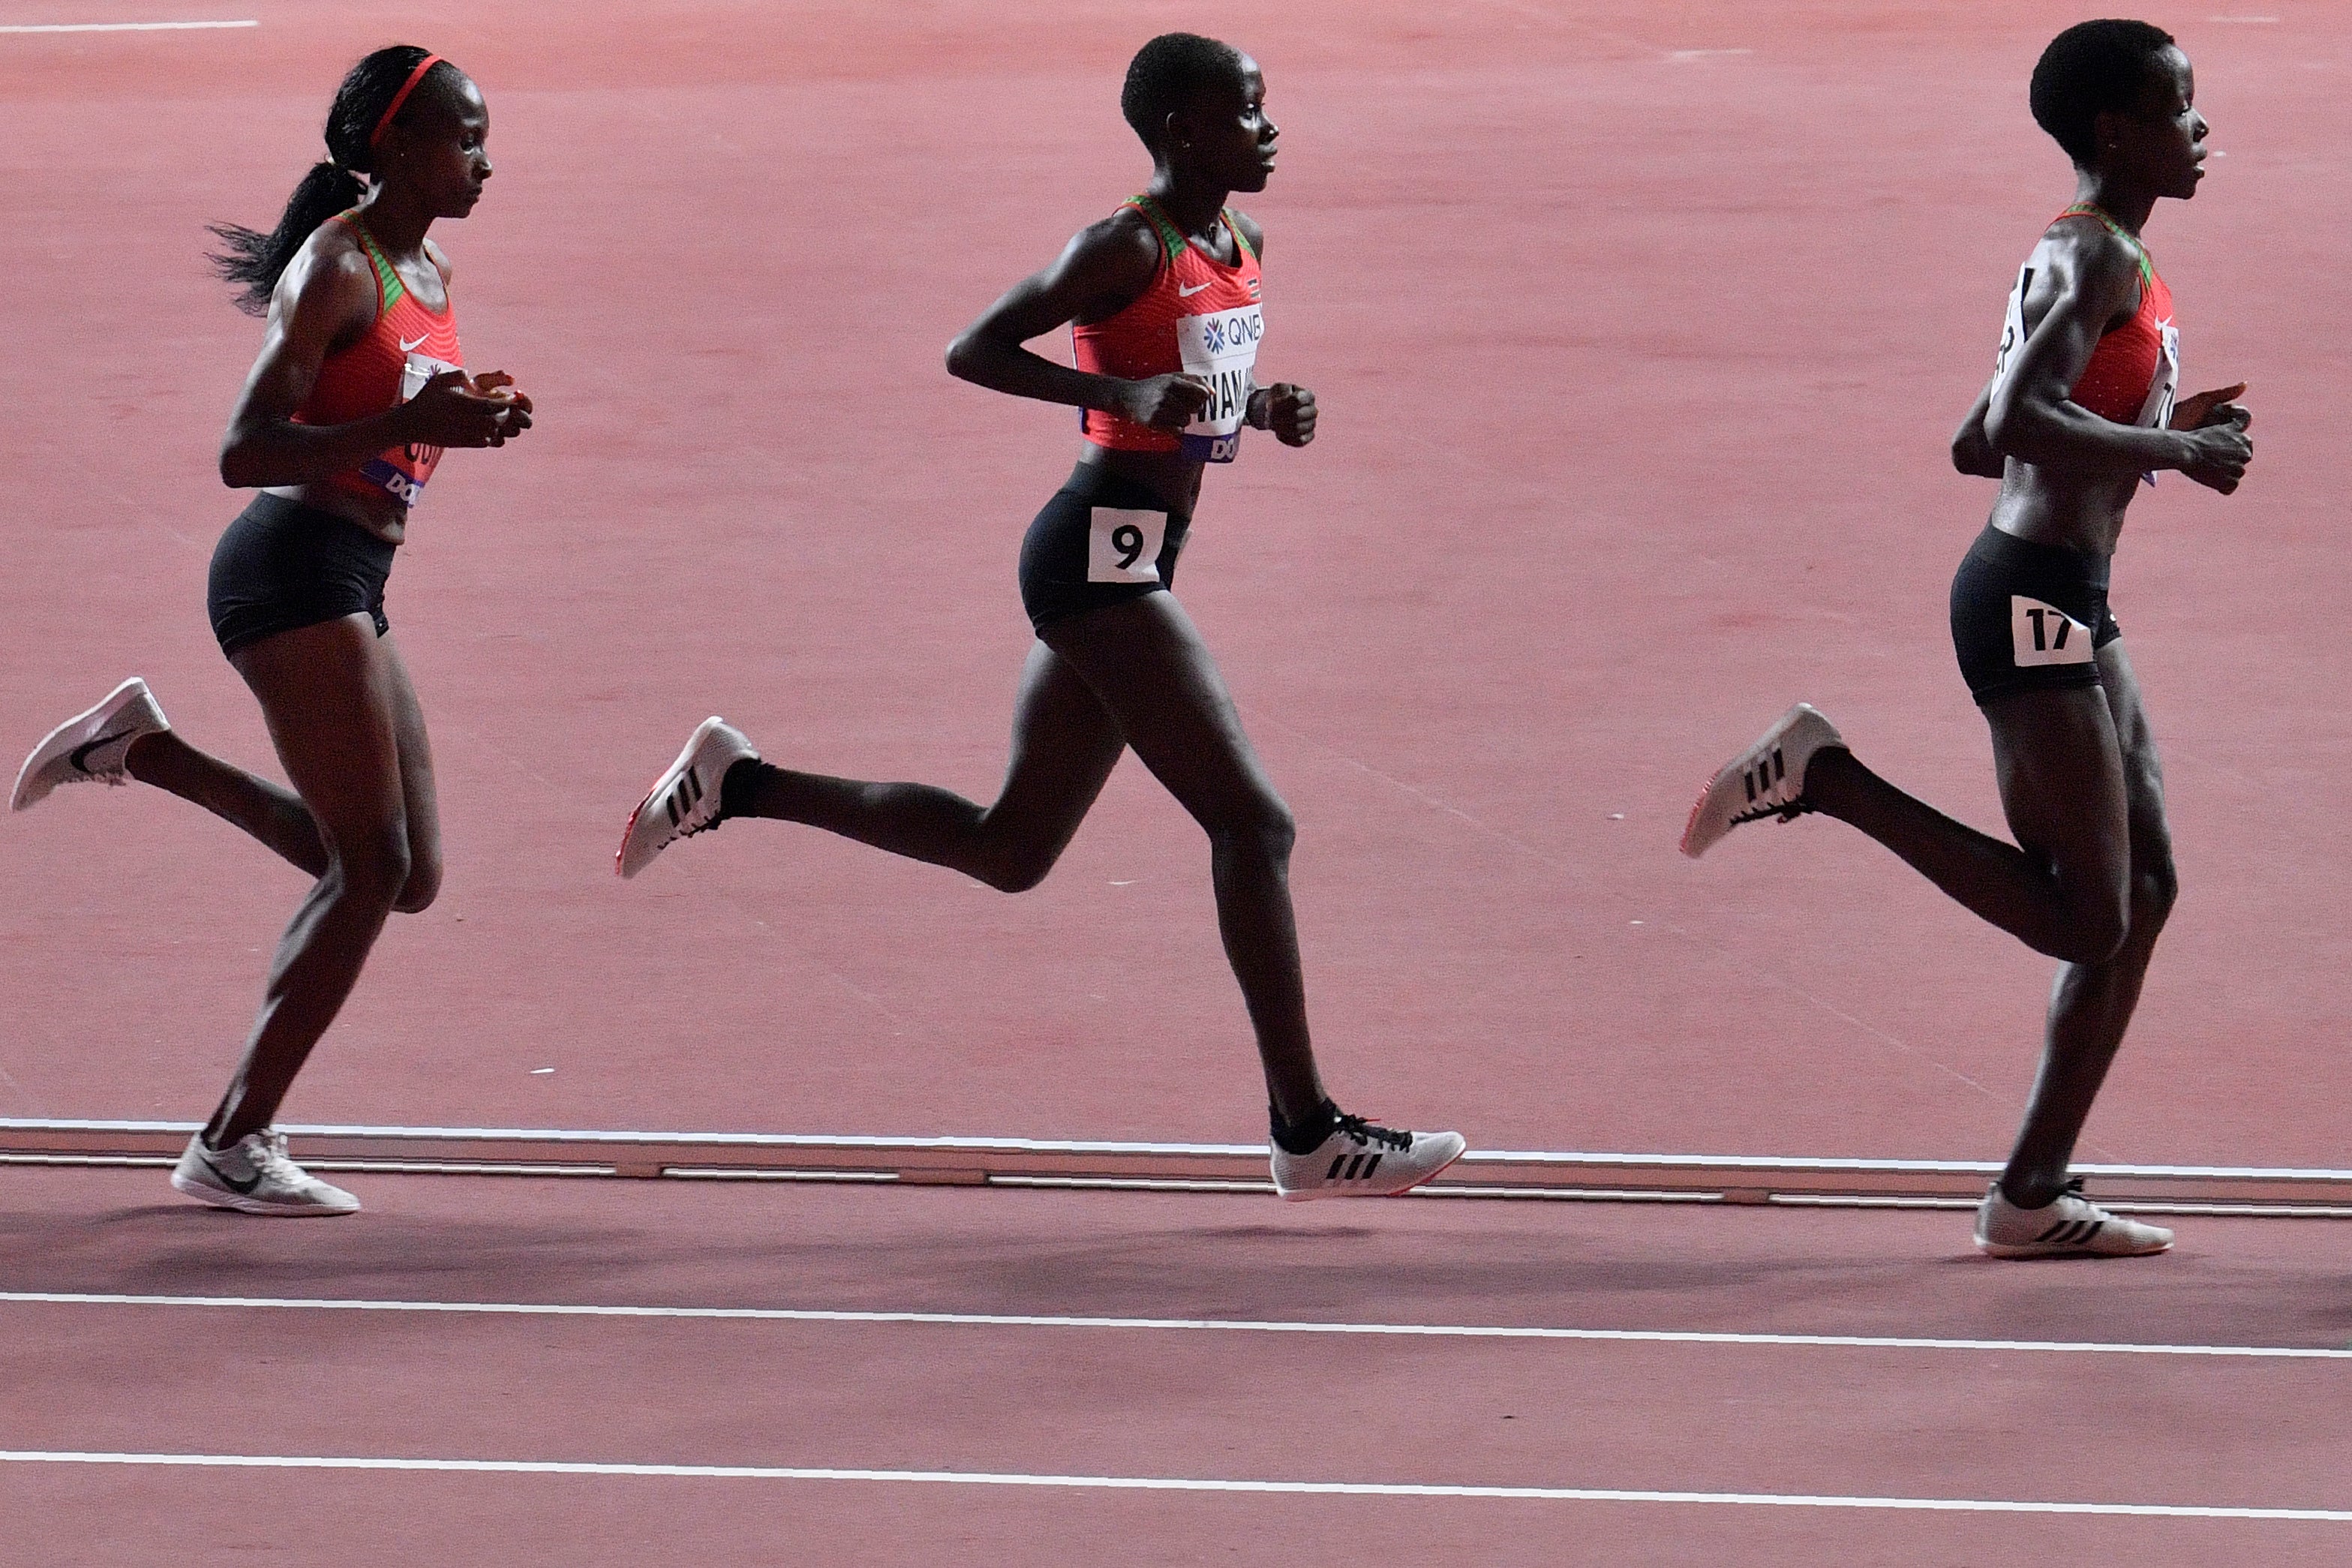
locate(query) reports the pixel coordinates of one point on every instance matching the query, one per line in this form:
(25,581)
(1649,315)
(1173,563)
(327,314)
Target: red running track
(1638,353)
(1755,1419)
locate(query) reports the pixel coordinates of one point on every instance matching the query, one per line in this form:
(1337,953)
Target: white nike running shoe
(90,746)
(1767,779)
(684,800)
(253,1176)
(1359,1160)
(2069,1225)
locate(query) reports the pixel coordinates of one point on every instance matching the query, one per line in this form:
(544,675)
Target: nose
(1268,130)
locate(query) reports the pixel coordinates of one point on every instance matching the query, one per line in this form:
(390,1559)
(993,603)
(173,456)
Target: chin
(1254,179)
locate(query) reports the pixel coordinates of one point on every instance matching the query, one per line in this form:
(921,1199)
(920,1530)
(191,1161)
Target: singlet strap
(1172,239)
(2092,210)
(1233,226)
(388,286)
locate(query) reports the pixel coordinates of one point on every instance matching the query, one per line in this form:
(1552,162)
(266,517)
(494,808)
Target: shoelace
(1367,1133)
(1789,813)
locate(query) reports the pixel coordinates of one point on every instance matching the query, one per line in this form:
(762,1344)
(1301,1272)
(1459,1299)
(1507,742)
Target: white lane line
(119,26)
(1171,1484)
(1192,1325)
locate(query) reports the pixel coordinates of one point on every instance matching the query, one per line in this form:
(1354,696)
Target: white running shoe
(253,1176)
(1361,1161)
(89,745)
(684,800)
(2069,1225)
(1767,779)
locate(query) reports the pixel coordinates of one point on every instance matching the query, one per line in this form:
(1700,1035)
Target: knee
(1016,873)
(421,887)
(1264,827)
(375,867)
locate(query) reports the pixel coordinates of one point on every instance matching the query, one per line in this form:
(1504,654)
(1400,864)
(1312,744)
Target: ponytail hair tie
(385,124)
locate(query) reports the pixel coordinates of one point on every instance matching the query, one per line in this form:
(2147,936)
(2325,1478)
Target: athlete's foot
(686,799)
(2068,1226)
(1767,779)
(90,746)
(254,1176)
(1359,1160)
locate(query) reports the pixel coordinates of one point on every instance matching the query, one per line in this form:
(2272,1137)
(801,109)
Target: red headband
(426,64)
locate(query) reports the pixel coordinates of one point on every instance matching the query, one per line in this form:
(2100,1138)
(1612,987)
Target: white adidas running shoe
(2069,1225)
(1767,779)
(254,1176)
(89,746)
(1359,1160)
(684,800)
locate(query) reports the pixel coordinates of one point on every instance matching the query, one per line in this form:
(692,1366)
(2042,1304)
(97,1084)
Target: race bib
(2041,634)
(1123,546)
(2157,412)
(401,472)
(1221,350)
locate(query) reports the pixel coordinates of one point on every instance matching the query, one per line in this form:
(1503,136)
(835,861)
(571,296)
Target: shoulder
(1250,230)
(1116,257)
(2097,262)
(331,266)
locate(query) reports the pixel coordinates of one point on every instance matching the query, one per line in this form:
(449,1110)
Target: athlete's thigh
(1148,665)
(2143,768)
(1065,744)
(327,695)
(2061,773)
(419,802)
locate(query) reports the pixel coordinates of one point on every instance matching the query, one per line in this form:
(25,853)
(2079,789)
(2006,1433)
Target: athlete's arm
(327,295)
(1972,450)
(1285,407)
(1103,269)
(2091,281)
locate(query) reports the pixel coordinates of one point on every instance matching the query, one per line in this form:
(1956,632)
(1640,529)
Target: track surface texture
(1746,1418)
(1639,335)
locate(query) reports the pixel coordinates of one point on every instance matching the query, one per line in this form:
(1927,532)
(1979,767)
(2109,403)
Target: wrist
(1258,410)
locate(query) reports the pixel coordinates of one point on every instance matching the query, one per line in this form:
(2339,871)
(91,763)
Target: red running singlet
(2135,370)
(1199,317)
(405,347)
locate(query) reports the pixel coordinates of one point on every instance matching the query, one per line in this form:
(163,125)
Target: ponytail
(373,93)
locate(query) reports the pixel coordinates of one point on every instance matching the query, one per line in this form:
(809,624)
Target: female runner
(2079,409)
(359,387)
(1164,300)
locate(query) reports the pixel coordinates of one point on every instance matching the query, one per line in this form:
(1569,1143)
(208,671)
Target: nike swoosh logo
(407,347)
(1184,293)
(79,755)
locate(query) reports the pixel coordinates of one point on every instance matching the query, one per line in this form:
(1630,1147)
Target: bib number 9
(1123,545)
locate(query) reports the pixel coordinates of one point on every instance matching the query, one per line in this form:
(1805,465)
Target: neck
(2112,196)
(397,223)
(1192,205)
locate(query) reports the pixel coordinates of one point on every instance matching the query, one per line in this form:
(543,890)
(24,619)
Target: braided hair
(254,260)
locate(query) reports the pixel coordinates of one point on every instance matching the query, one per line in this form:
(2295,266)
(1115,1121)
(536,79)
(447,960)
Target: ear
(2106,130)
(1174,132)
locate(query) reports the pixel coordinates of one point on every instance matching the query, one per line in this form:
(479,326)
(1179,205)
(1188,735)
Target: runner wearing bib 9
(2080,410)
(359,387)
(1163,301)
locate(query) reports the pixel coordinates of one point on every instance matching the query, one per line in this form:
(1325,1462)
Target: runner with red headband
(1163,296)
(359,388)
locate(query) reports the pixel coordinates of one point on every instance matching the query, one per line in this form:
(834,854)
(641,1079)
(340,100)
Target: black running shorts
(2029,618)
(1102,539)
(282,565)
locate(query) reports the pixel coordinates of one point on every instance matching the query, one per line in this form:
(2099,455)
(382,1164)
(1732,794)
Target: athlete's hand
(2218,447)
(1286,410)
(1164,402)
(447,412)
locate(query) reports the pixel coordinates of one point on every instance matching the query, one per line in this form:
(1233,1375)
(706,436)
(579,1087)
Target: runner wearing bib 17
(1163,301)
(359,387)
(2080,409)
(2077,412)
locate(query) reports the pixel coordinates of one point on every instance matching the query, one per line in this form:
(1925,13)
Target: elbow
(962,356)
(237,467)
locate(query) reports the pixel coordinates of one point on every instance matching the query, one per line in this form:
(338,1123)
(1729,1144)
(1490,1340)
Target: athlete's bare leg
(1065,744)
(1134,674)
(2089,881)
(347,728)
(1146,664)
(269,812)
(2091,1004)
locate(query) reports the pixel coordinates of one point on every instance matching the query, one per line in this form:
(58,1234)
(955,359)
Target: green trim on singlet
(2092,210)
(388,286)
(1172,239)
